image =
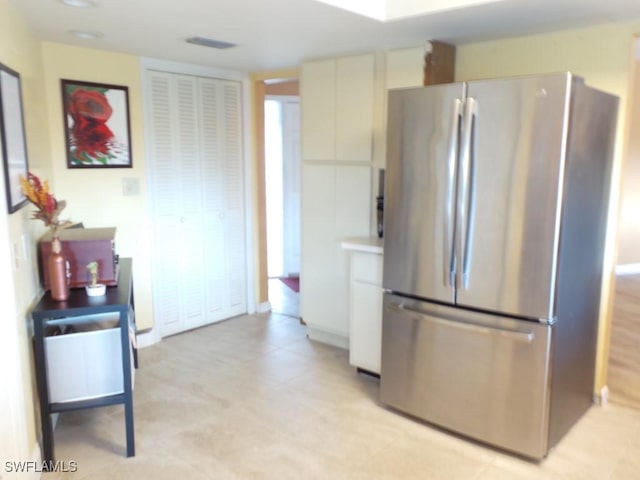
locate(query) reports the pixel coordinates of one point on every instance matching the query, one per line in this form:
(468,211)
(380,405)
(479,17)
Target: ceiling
(274,34)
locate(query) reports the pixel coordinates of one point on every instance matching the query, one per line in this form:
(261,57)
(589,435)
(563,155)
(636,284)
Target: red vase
(58,278)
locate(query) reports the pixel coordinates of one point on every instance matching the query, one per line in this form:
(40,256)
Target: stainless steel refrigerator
(495,218)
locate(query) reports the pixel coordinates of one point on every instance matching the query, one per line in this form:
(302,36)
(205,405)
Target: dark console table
(118,299)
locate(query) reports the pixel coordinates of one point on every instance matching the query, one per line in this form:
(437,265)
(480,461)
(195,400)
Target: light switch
(130,187)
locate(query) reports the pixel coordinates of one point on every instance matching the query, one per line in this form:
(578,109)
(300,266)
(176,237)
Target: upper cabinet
(318,92)
(337,109)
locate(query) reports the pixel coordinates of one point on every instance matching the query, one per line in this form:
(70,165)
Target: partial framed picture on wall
(96,123)
(13,145)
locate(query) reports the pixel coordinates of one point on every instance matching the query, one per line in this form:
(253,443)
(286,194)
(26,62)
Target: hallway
(623,377)
(283,300)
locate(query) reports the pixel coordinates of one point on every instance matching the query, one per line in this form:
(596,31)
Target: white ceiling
(273,34)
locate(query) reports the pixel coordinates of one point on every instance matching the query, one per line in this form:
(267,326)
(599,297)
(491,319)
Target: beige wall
(603,56)
(629,218)
(289,87)
(94,196)
(20,51)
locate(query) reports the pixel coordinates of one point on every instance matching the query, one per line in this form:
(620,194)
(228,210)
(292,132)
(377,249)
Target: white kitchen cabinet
(354,108)
(365,302)
(337,109)
(335,205)
(317,92)
(343,141)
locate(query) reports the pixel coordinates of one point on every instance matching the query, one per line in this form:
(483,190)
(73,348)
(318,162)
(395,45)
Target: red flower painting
(93,123)
(88,108)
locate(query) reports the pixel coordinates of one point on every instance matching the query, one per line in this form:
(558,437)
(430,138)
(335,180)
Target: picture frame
(96,125)
(13,144)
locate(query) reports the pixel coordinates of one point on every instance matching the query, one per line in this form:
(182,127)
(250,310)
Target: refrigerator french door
(495,212)
(473,209)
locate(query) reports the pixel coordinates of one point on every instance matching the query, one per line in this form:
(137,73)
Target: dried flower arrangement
(48,207)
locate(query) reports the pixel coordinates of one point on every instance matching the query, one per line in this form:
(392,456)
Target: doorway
(623,369)
(282,190)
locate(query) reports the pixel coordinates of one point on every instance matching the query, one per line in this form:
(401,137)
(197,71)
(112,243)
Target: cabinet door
(335,203)
(318,213)
(365,335)
(317,88)
(354,108)
(337,109)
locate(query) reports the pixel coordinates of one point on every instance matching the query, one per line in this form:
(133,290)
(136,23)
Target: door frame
(263,83)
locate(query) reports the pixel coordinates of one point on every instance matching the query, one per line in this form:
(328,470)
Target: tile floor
(253,398)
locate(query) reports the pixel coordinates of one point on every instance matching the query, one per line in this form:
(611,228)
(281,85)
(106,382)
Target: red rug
(292,282)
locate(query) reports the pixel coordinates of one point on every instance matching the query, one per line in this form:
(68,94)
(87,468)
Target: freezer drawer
(480,375)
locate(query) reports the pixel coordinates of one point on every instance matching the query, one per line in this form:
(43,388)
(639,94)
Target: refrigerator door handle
(516,335)
(449,259)
(465,191)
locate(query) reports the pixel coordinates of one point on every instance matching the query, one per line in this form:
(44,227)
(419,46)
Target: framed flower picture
(13,145)
(96,123)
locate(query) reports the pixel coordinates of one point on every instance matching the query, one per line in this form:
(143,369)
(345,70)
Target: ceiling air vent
(208,42)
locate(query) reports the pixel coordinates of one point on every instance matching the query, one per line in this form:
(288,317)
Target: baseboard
(628,269)
(263,307)
(148,338)
(601,398)
(329,338)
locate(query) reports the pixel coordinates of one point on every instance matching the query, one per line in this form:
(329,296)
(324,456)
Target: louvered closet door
(221,132)
(166,204)
(190,269)
(198,190)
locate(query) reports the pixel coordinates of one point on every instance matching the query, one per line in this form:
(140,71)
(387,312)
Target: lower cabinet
(335,205)
(365,309)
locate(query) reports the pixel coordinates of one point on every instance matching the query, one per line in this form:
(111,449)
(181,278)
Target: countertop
(363,244)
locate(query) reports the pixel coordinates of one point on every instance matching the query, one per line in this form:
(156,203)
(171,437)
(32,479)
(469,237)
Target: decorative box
(81,246)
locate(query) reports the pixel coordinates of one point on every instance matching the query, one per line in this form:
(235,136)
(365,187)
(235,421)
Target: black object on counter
(380,214)
(380,201)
